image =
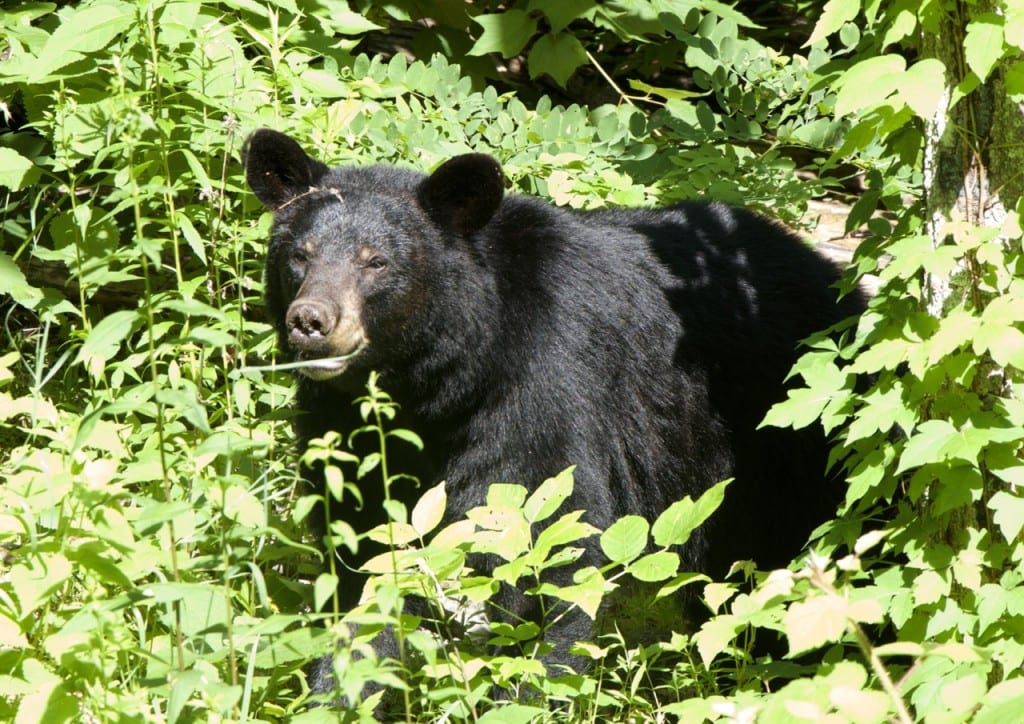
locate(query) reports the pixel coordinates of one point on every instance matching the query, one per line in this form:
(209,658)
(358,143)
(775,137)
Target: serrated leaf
(85,31)
(558,55)
(625,539)
(504,33)
(715,635)
(1008,514)
(429,510)
(586,592)
(1004,343)
(16,171)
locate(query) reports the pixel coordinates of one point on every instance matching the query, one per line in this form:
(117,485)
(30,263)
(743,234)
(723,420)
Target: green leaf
(323,589)
(87,30)
(243,507)
(504,33)
(586,592)
(16,171)
(833,16)
(558,55)
(815,622)
(105,339)
(13,281)
(869,83)
(625,539)
(715,635)
(549,496)
(1004,343)
(923,86)
(561,13)
(983,44)
(506,495)
(675,525)
(1008,514)
(511,714)
(429,510)
(653,567)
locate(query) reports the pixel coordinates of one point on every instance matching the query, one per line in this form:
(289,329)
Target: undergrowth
(156,565)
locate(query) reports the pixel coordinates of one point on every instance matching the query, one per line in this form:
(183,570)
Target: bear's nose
(310,320)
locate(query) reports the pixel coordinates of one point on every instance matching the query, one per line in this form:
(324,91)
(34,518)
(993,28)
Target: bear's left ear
(277,168)
(464,192)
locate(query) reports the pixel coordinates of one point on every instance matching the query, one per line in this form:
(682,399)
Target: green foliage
(156,564)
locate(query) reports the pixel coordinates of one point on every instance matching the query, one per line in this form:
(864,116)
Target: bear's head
(357,254)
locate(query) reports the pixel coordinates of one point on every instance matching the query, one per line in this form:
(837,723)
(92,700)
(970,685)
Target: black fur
(643,346)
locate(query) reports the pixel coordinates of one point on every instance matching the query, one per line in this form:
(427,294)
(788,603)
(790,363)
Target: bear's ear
(277,168)
(464,192)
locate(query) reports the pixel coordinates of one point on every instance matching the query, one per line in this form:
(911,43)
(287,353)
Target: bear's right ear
(277,168)
(464,192)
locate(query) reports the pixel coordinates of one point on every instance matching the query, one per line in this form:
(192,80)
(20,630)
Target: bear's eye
(376,263)
(299,256)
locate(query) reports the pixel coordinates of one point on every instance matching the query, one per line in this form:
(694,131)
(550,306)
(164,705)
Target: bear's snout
(309,321)
(324,336)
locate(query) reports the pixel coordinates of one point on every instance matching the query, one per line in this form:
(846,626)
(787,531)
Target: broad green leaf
(802,407)
(87,30)
(586,592)
(561,13)
(869,83)
(983,44)
(1002,704)
(923,86)
(16,171)
(964,694)
(625,539)
(558,55)
(832,18)
(13,281)
(429,510)
(677,523)
(655,566)
(1004,343)
(815,622)
(243,507)
(928,444)
(33,580)
(549,496)
(105,339)
(715,635)
(506,495)
(504,33)
(1008,514)
(565,530)
(511,714)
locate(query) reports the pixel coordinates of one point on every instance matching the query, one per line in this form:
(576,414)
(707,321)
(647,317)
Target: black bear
(642,346)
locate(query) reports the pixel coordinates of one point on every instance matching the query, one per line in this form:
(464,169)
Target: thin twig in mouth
(299,364)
